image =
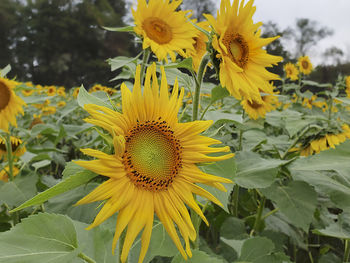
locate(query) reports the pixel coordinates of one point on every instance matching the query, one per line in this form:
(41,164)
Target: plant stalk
(86,258)
(259,214)
(198,81)
(347,251)
(145,58)
(9,155)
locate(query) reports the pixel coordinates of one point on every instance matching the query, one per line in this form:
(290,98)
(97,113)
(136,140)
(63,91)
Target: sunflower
(36,120)
(51,91)
(309,102)
(97,87)
(4,173)
(61,91)
(76,92)
(153,168)
(18,149)
(61,104)
(10,104)
(48,110)
(305,65)
(292,71)
(347,82)
(259,109)
(199,46)
(240,51)
(28,92)
(163,28)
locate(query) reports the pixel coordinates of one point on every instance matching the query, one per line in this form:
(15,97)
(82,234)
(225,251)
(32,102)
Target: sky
(334,14)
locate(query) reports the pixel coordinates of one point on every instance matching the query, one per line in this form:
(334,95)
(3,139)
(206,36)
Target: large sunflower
(10,104)
(163,28)
(240,51)
(292,71)
(305,65)
(153,168)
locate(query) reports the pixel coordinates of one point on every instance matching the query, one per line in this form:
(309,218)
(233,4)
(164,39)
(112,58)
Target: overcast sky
(334,14)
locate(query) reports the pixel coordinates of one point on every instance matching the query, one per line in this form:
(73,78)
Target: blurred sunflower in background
(10,104)
(240,51)
(305,65)
(51,91)
(153,168)
(4,173)
(164,29)
(17,146)
(347,83)
(292,71)
(259,109)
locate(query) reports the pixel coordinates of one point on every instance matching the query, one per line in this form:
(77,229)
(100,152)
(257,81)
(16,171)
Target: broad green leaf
(19,190)
(186,63)
(120,61)
(233,228)
(297,201)
(337,159)
(5,70)
(36,99)
(316,84)
(339,229)
(253,249)
(223,117)
(197,257)
(86,98)
(325,184)
(40,238)
(96,243)
(235,244)
(160,245)
(218,93)
(120,29)
(64,186)
(41,164)
(254,171)
(226,169)
(274,258)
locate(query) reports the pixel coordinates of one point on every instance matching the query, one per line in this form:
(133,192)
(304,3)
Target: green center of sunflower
(5,95)
(157,30)
(237,47)
(152,155)
(305,64)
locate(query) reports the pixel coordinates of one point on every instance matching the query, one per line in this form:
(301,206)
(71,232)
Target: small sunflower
(48,110)
(36,120)
(292,71)
(4,173)
(163,28)
(259,109)
(10,104)
(240,51)
(347,83)
(17,147)
(153,168)
(309,102)
(305,65)
(28,92)
(61,104)
(97,87)
(76,92)
(61,91)
(199,46)
(51,91)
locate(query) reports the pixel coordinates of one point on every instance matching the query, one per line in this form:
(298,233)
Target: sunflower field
(201,154)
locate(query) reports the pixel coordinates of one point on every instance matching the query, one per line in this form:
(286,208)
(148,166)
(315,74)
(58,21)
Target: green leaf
(325,184)
(120,29)
(120,61)
(86,98)
(197,257)
(253,249)
(339,229)
(223,117)
(41,164)
(186,63)
(5,70)
(40,238)
(218,93)
(233,228)
(160,245)
(226,169)
(297,201)
(254,171)
(19,190)
(64,186)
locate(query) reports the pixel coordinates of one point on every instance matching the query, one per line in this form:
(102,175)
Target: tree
(333,55)
(199,7)
(306,34)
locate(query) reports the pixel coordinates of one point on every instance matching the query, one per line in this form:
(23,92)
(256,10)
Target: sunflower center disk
(4,96)
(238,49)
(305,64)
(254,104)
(157,30)
(152,156)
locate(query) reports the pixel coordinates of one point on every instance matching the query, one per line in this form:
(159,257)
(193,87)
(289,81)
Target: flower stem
(259,214)
(347,251)
(330,105)
(86,258)
(146,54)
(9,155)
(197,91)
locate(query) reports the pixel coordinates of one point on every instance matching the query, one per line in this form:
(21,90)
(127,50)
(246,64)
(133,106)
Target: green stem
(9,154)
(197,91)
(205,110)
(330,105)
(259,214)
(311,258)
(269,213)
(347,250)
(145,58)
(235,200)
(86,258)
